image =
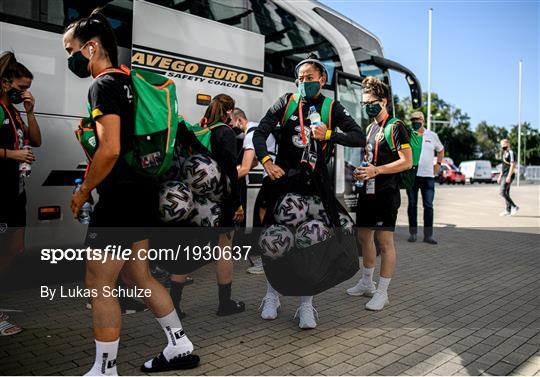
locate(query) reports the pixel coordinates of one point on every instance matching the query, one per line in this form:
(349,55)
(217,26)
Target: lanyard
(381,130)
(301,117)
(17,145)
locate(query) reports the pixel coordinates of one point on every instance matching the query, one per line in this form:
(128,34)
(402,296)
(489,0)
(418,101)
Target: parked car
(476,171)
(495,173)
(449,173)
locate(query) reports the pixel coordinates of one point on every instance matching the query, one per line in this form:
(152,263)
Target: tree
(487,142)
(530,143)
(458,140)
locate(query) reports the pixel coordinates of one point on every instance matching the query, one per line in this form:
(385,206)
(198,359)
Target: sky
(476,47)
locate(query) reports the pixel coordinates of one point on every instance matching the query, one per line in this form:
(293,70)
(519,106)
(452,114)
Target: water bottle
(24,167)
(86,209)
(314,116)
(360,184)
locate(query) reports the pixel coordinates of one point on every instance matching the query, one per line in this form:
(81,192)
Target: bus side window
(54,16)
(286,40)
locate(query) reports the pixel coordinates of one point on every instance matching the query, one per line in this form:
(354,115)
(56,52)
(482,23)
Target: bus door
(348,91)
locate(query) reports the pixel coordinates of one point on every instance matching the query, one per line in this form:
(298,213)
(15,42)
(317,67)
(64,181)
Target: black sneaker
(231,307)
(430,240)
(161,364)
(412,238)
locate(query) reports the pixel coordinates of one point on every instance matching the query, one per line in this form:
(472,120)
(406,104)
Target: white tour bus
(245,48)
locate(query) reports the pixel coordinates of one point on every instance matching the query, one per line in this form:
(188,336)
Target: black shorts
(264,196)
(378,211)
(13,212)
(124,215)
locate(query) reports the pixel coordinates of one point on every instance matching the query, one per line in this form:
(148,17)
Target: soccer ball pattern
(206,212)
(175,173)
(203,176)
(291,210)
(310,233)
(316,209)
(175,201)
(347,224)
(276,240)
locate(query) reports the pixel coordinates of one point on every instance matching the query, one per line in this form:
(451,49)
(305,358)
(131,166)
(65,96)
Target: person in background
(507,177)
(223,144)
(424,181)
(379,198)
(248,162)
(15,82)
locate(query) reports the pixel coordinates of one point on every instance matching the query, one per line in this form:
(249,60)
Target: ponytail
(217,110)
(96,26)
(11,69)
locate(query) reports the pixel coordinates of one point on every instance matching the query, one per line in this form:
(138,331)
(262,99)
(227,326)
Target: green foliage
(461,142)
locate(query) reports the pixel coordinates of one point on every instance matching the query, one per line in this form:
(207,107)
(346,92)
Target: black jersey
(290,140)
(12,131)
(379,153)
(112,93)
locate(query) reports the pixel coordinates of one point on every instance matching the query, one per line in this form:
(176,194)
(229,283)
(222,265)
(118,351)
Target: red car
(449,173)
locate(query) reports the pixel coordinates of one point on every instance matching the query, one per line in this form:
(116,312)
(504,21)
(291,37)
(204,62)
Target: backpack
(407,177)
(202,133)
(155,123)
(326,118)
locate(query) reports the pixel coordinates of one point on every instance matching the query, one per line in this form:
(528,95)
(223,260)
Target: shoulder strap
(123,70)
(216,125)
(2,115)
(251,130)
(326,112)
(389,133)
(292,105)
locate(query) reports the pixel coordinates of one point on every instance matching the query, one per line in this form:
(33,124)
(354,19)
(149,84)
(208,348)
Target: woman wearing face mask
(126,201)
(294,136)
(15,80)
(379,198)
(223,145)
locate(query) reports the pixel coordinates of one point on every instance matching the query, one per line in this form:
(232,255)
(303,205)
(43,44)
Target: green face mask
(309,89)
(373,109)
(416,125)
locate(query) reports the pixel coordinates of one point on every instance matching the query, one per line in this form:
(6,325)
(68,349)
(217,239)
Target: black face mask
(15,95)
(78,64)
(416,125)
(504,148)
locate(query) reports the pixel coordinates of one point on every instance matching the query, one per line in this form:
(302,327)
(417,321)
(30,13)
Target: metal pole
(429,72)
(519,122)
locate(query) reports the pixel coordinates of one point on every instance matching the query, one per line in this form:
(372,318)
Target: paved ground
(468,306)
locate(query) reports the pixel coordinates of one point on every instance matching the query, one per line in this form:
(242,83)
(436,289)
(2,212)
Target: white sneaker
(379,300)
(257,268)
(361,289)
(514,210)
(270,305)
(504,213)
(306,314)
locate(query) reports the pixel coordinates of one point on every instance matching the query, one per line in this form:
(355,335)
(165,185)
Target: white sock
(270,290)
(105,364)
(307,300)
(178,342)
(367,275)
(383,284)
